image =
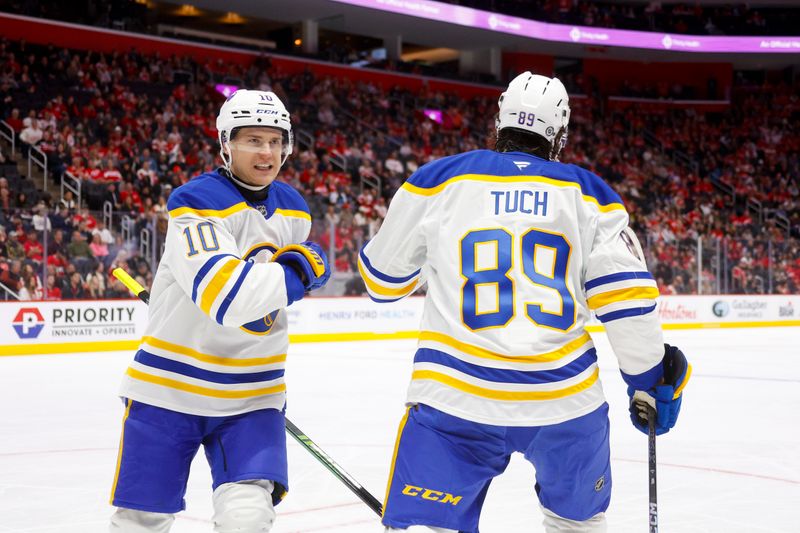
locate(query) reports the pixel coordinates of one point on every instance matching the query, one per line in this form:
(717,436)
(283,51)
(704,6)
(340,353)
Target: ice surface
(731,465)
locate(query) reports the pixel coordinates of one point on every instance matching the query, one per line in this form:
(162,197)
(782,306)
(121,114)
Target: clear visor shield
(254,145)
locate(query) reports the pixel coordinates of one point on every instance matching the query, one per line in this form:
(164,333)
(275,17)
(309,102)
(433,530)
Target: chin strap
(244,185)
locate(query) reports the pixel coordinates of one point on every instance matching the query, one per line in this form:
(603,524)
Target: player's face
(256,155)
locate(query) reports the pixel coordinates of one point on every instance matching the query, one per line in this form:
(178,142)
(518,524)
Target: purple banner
(562,33)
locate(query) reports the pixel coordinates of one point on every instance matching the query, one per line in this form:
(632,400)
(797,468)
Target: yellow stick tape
(128,281)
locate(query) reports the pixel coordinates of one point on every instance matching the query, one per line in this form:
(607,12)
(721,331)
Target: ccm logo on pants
(433,495)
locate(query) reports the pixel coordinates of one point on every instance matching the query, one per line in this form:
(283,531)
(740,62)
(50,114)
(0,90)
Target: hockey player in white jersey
(210,369)
(517,249)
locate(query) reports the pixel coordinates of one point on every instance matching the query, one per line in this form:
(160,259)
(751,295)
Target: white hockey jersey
(216,340)
(516,251)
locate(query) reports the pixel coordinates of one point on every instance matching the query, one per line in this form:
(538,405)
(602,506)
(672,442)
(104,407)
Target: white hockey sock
(556,524)
(133,521)
(244,507)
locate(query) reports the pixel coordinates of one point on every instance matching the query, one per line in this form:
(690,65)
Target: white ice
(731,465)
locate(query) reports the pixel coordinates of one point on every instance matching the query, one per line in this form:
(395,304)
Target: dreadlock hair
(518,140)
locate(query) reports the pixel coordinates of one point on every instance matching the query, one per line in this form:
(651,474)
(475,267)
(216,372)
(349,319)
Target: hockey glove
(308,260)
(665,397)
(294,287)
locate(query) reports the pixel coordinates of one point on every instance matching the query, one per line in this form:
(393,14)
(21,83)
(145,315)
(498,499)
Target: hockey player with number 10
(517,249)
(210,369)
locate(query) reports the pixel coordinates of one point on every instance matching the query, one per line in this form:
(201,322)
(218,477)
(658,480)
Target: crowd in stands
(734,18)
(679,18)
(131,129)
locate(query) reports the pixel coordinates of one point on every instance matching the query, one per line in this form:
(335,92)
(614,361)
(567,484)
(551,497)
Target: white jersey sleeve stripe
(381,290)
(203,272)
(617,276)
(226,302)
(216,284)
(620,295)
(625,313)
(374,272)
(616,285)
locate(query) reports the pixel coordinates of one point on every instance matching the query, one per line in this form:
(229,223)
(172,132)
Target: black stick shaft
(371,501)
(651,460)
(334,468)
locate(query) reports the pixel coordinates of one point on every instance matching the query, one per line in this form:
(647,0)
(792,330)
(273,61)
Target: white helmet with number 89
(536,104)
(254,109)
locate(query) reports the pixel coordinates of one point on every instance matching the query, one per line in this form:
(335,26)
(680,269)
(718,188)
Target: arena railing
(37,158)
(7,133)
(757,208)
(73,184)
(338,161)
(165,29)
(368,182)
(108,214)
(8,292)
(304,139)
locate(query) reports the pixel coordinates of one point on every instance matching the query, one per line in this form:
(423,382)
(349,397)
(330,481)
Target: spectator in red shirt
(33,248)
(14,121)
(51,290)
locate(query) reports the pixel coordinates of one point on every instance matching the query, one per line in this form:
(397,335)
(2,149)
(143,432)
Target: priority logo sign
(28,323)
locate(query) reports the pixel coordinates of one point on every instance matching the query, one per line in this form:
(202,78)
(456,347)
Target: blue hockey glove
(665,397)
(295,290)
(308,260)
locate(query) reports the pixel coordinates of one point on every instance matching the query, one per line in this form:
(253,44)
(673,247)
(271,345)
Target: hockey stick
(651,460)
(293,430)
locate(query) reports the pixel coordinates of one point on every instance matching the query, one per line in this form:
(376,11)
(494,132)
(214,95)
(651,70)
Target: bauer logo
(720,309)
(28,323)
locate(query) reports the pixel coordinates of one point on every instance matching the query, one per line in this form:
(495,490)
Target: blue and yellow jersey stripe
(507,395)
(211,359)
(230,394)
(213,195)
(622,295)
(293,213)
(483,353)
(505,375)
(492,167)
(382,287)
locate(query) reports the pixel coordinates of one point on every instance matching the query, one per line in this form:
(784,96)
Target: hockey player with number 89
(517,250)
(210,368)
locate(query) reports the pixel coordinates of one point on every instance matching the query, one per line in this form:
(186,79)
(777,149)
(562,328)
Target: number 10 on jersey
(531,243)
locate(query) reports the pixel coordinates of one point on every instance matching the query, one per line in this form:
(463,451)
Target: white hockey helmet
(537,104)
(253,108)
